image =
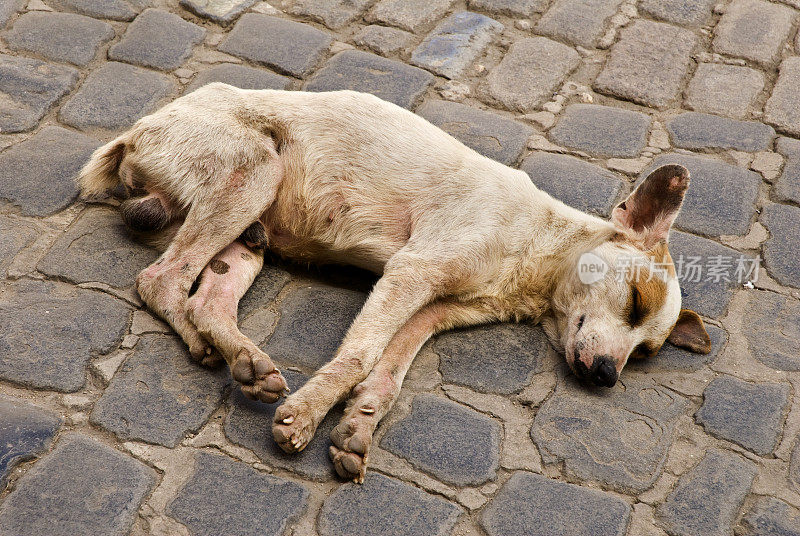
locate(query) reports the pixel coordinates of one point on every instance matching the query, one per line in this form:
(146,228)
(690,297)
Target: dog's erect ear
(690,333)
(654,204)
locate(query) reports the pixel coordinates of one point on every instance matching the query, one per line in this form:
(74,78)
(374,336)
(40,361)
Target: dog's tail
(101,172)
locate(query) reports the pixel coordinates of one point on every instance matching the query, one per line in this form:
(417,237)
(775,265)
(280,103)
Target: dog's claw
(259,378)
(293,427)
(288,420)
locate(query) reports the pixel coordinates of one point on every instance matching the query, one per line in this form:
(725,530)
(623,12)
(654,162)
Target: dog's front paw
(294,425)
(259,378)
(352,439)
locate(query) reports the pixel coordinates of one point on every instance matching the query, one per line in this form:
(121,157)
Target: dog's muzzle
(603,371)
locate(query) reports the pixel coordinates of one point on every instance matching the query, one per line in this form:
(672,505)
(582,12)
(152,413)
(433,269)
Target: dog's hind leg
(372,399)
(213,311)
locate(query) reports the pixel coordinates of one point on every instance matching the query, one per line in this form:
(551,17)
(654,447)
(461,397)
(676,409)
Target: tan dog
(345,177)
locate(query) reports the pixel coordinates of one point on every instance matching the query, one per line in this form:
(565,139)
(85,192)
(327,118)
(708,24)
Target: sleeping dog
(344,177)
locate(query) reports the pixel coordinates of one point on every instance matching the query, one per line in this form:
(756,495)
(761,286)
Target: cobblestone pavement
(106,427)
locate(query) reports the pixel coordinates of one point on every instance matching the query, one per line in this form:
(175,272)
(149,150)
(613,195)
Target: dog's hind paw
(259,378)
(294,426)
(352,439)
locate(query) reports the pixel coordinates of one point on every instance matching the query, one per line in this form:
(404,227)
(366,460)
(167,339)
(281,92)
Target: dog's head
(623,299)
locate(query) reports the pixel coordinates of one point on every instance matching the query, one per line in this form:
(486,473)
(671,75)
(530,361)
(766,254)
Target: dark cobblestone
(59,36)
(266,286)
(384,506)
(772,517)
(223,12)
(545,62)
(754,30)
(157,39)
(682,12)
(534,505)
(580,22)
(332,13)
(239,76)
(511,8)
(703,131)
(602,130)
(25,432)
(787,187)
(749,414)
(28,89)
(773,329)
(290,47)
(673,358)
(97,248)
(83,487)
(114,96)
(577,183)
(782,250)
(100,9)
(453,443)
(8,9)
(249,424)
(781,109)
(455,43)
(14,236)
(49,331)
(38,174)
(383,40)
(254,503)
(721,198)
(158,394)
(490,134)
(710,89)
(409,15)
(314,320)
(495,359)
(618,437)
(705,296)
(708,496)
(648,63)
(361,71)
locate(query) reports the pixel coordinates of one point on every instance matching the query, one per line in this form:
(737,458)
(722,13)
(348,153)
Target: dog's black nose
(603,371)
(581,370)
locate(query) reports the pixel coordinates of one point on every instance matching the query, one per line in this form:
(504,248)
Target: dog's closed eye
(635,314)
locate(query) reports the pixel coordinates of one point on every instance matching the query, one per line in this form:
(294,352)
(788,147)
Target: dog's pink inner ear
(653,206)
(690,333)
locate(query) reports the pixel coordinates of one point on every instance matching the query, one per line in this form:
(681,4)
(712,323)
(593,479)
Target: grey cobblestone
(14,235)
(580,22)
(239,76)
(490,134)
(38,174)
(384,506)
(455,43)
(59,36)
(97,248)
(587,429)
(51,330)
(82,487)
(25,432)
(255,503)
(772,517)
(710,89)
(787,187)
(772,330)
(533,505)
(721,198)
(577,183)
(290,47)
(648,63)
(781,110)
(114,96)
(28,88)
(702,131)
(495,359)
(157,39)
(545,63)
(262,292)
(749,414)
(8,9)
(709,496)
(409,15)
(360,71)
(782,250)
(673,358)
(681,12)
(221,12)
(754,30)
(332,13)
(101,9)
(602,130)
(383,40)
(512,8)
(159,394)
(451,442)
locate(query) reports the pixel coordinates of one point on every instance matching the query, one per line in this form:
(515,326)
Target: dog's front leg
(372,399)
